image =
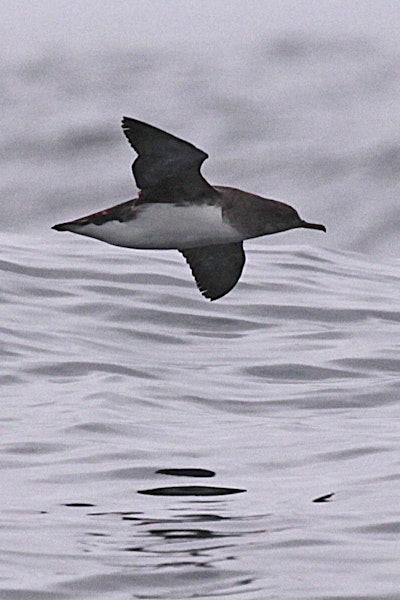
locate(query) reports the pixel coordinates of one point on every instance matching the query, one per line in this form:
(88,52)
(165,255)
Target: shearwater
(177,208)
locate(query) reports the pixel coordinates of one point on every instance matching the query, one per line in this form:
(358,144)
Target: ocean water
(114,367)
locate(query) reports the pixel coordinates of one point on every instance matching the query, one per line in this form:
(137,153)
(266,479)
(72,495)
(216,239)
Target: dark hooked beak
(312,226)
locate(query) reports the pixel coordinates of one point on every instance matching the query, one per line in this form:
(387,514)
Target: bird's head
(283,217)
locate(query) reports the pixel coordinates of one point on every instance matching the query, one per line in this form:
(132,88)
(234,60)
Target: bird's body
(160,226)
(178,209)
(230,216)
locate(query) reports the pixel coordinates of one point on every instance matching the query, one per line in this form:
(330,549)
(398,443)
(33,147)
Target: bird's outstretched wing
(167,168)
(216,269)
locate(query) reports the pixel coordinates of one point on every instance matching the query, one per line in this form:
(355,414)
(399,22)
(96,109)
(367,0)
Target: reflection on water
(174,546)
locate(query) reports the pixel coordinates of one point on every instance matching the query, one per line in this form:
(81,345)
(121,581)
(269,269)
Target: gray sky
(26,25)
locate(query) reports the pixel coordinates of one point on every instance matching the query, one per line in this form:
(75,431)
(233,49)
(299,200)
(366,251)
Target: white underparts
(164,227)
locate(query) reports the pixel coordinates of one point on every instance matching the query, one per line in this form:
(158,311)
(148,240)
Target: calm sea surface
(114,367)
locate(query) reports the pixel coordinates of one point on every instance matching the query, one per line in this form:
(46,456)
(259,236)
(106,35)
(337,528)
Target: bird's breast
(164,226)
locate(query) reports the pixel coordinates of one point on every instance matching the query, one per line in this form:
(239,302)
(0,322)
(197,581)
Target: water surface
(114,367)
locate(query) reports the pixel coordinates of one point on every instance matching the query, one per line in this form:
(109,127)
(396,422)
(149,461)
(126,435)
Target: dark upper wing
(216,269)
(167,167)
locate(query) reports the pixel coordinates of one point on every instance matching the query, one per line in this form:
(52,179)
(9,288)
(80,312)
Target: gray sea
(114,367)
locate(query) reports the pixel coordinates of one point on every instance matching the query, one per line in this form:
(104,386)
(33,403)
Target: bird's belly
(165,226)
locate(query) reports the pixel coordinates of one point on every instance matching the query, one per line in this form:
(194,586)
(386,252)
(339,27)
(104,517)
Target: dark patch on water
(325,498)
(79,505)
(191,490)
(187,472)
(188,534)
